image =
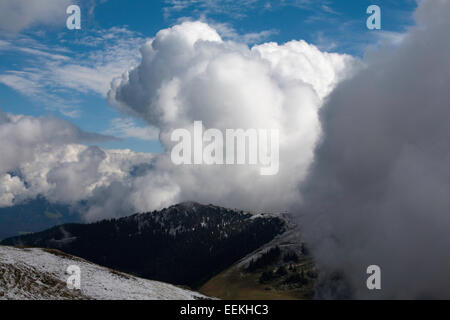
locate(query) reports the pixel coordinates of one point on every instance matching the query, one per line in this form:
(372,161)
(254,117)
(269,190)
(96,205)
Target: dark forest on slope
(185,244)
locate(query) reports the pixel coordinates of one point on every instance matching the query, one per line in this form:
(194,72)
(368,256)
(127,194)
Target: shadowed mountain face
(185,244)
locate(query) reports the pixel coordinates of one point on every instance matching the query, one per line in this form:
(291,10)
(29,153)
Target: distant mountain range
(34,215)
(40,274)
(185,244)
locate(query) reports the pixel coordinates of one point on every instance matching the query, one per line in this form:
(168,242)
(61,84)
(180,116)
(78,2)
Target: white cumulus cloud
(188,73)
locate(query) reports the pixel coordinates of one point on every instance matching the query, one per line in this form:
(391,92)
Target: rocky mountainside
(184,244)
(280,269)
(37,274)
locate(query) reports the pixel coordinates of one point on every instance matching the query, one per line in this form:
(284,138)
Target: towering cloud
(378,193)
(188,73)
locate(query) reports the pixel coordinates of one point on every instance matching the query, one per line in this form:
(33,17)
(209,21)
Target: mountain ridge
(204,239)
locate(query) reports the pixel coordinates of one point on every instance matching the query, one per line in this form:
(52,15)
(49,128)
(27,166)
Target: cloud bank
(47,157)
(378,192)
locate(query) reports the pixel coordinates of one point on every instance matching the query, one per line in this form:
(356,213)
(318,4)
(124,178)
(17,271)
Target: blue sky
(47,69)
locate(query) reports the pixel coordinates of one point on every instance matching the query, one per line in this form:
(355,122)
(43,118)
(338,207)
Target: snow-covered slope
(290,240)
(41,274)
